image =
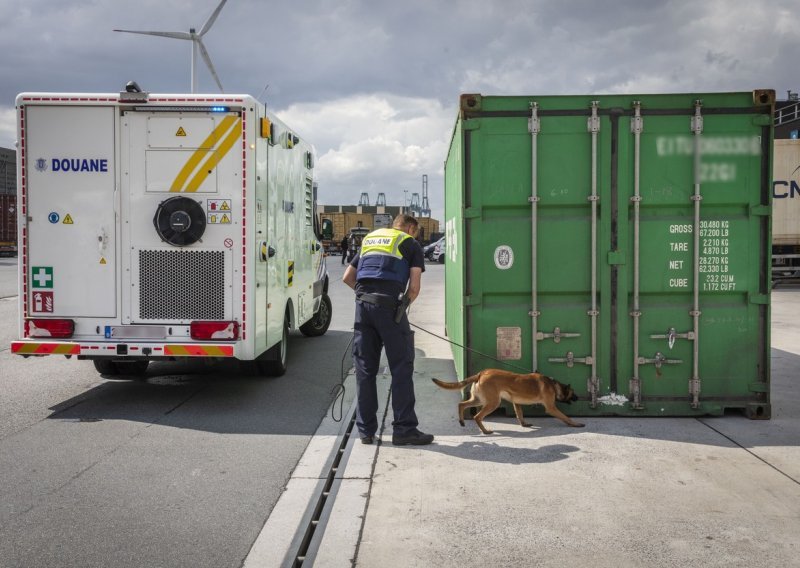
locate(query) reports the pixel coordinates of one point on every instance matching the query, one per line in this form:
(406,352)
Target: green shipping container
(618,243)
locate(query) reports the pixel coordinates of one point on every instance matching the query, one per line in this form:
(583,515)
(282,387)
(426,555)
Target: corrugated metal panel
(8,222)
(590,240)
(8,171)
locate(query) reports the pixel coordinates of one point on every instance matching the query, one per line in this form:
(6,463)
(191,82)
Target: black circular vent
(180,221)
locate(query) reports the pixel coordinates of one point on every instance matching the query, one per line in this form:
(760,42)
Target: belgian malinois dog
(491,386)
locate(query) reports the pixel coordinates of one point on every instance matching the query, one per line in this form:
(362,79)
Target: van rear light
(56,328)
(215,330)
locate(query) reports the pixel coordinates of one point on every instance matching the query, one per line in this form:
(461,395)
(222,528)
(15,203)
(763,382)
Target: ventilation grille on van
(181,285)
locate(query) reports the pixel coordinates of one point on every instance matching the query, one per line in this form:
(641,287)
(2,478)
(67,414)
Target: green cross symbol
(42,276)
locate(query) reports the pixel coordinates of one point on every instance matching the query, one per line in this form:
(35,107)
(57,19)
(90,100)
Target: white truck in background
(160,227)
(786,210)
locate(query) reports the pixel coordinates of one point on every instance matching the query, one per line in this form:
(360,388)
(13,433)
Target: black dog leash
(339,389)
(471,350)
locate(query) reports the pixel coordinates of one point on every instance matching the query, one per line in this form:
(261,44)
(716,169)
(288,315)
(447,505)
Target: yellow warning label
(180,132)
(212,218)
(67,219)
(102,260)
(290,274)
(225,219)
(225,205)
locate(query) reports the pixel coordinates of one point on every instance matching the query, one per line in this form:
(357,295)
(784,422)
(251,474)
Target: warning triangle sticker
(225,219)
(180,132)
(102,260)
(225,206)
(67,219)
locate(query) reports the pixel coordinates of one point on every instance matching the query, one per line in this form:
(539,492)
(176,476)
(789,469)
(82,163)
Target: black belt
(378,300)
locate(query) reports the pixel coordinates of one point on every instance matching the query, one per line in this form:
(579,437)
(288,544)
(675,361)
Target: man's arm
(349,277)
(414,283)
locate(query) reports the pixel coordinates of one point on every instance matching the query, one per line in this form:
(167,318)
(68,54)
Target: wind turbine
(197,43)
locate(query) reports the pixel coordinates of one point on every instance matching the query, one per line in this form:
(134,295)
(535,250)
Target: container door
(70,176)
(694,328)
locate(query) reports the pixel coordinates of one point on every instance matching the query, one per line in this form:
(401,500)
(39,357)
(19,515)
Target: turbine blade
(211,19)
(207,59)
(174,35)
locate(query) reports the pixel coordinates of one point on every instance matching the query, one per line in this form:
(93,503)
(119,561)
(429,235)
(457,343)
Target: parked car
(439,252)
(428,249)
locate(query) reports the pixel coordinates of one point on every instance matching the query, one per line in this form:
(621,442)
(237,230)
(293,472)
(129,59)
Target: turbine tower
(197,43)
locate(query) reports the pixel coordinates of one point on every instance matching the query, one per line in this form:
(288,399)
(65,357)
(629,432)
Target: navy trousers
(375,329)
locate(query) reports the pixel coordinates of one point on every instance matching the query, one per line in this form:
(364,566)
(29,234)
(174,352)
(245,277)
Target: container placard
(509,343)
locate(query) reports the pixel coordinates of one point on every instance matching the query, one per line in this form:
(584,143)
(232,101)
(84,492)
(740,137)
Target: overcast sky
(374,84)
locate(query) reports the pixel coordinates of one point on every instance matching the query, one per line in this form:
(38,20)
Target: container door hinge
(762,299)
(762,120)
(570,359)
(472,300)
(534,122)
(472,213)
(471,124)
(672,335)
(659,360)
(616,257)
(760,210)
(556,335)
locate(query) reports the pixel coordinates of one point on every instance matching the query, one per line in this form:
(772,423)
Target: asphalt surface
(181,469)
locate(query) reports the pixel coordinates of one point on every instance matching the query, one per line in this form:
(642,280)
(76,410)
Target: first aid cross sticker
(42,276)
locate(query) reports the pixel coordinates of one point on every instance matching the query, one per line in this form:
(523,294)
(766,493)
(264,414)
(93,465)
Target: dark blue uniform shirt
(412,253)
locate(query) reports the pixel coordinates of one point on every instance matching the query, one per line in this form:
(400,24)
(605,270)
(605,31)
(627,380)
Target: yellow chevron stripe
(26,348)
(206,147)
(215,158)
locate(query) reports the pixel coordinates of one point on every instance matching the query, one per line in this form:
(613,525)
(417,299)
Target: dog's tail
(456,386)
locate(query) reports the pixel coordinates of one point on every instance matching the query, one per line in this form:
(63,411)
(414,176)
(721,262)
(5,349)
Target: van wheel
(106,367)
(318,324)
(274,362)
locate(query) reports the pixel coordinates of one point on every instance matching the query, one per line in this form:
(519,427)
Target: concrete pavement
(620,492)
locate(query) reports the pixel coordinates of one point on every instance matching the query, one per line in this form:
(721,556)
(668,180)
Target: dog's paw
(577,425)
(461,422)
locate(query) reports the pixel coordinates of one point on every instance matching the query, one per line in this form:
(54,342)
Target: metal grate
(181,285)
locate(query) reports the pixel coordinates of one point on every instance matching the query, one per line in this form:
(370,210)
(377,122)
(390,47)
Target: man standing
(389,264)
(344,248)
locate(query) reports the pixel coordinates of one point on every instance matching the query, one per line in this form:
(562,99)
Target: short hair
(403,220)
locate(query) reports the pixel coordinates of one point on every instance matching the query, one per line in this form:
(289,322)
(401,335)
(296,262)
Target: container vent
(181,285)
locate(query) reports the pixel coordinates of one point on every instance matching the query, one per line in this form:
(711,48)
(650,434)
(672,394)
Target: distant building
(8,171)
(345,217)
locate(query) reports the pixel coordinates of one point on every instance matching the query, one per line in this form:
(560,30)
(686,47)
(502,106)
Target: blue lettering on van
(79,165)
(790,189)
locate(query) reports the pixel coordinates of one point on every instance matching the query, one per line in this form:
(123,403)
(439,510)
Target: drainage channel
(323,495)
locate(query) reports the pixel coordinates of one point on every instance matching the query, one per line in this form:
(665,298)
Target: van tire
(111,368)
(106,367)
(321,320)
(274,362)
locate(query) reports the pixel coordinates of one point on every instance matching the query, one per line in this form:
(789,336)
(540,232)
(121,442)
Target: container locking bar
(593,126)
(534,126)
(570,359)
(658,360)
(672,335)
(637,126)
(697,129)
(556,335)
